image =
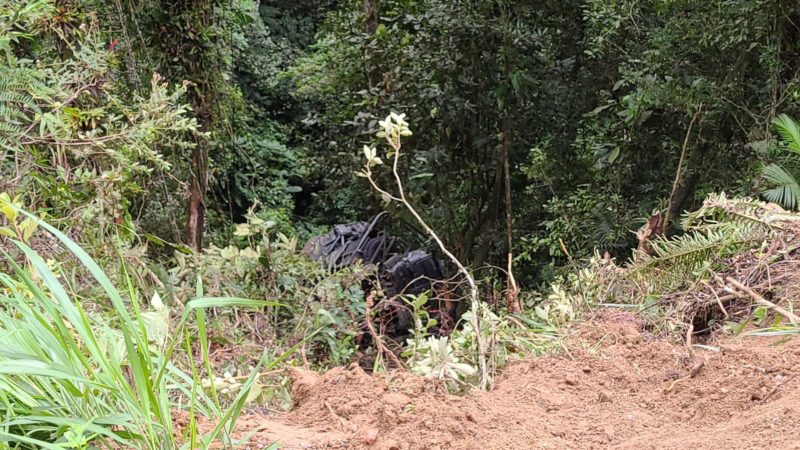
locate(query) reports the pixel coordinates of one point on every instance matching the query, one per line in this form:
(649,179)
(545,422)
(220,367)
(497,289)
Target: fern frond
(18,98)
(22,91)
(23,86)
(8,129)
(8,114)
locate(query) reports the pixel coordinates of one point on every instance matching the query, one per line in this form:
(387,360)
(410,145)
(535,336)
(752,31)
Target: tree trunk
(198,177)
(512,289)
(370,25)
(686,179)
(203,72)
(197,195)
(688,185)
(485,219)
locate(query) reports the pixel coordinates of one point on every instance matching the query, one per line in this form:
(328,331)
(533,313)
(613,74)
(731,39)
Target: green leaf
(759,147)
(9,210)
(614,155)
(789,131)
(786,190)
(243,229)
(154,239)
(28,227)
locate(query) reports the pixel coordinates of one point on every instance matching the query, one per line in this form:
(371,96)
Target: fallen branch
(764,302)
(719,303)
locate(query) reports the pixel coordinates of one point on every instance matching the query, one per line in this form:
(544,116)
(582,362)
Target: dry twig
(692,373)
(777,386)
(764,302)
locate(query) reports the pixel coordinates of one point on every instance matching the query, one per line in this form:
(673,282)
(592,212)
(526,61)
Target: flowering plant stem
(393,128)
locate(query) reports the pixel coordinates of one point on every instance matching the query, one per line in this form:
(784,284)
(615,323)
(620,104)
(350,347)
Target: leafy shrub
(71,377)
(263,263)
(453,359)
(575,292)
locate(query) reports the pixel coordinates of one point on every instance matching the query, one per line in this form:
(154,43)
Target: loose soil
(615,386)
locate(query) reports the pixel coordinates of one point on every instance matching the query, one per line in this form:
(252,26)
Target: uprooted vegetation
(737,254)
(733,268)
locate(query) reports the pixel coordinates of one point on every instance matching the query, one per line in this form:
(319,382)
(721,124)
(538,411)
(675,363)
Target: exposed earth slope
(616,387)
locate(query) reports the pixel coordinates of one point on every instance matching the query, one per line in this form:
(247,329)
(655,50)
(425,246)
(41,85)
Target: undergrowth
(698,281)
(71,380)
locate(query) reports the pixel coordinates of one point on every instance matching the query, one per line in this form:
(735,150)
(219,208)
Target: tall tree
(512,85)
(193,36)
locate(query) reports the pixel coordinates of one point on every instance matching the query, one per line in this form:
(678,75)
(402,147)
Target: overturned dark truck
(398,272)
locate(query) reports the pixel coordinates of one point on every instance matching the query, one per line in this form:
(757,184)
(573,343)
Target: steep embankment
(617,387)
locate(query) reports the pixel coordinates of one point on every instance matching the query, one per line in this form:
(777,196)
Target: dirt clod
(369,436)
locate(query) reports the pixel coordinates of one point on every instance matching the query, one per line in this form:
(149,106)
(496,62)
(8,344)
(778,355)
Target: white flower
(387,125)
(394,126)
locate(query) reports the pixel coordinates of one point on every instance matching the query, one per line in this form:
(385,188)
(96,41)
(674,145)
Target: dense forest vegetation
(197,111)
(188,149)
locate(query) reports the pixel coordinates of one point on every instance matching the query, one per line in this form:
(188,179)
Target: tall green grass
(70,380)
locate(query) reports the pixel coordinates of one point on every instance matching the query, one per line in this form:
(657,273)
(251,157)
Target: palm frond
(721,228)
(681,260)
(786,190)
(789,130)
(719,209)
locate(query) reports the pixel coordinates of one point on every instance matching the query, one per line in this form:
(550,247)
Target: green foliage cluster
(264,263)
(603,92)
(75,145)
(592,102)
(453,359)
(72,379)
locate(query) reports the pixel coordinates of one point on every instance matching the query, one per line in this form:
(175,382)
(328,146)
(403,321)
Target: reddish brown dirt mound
(616,388)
